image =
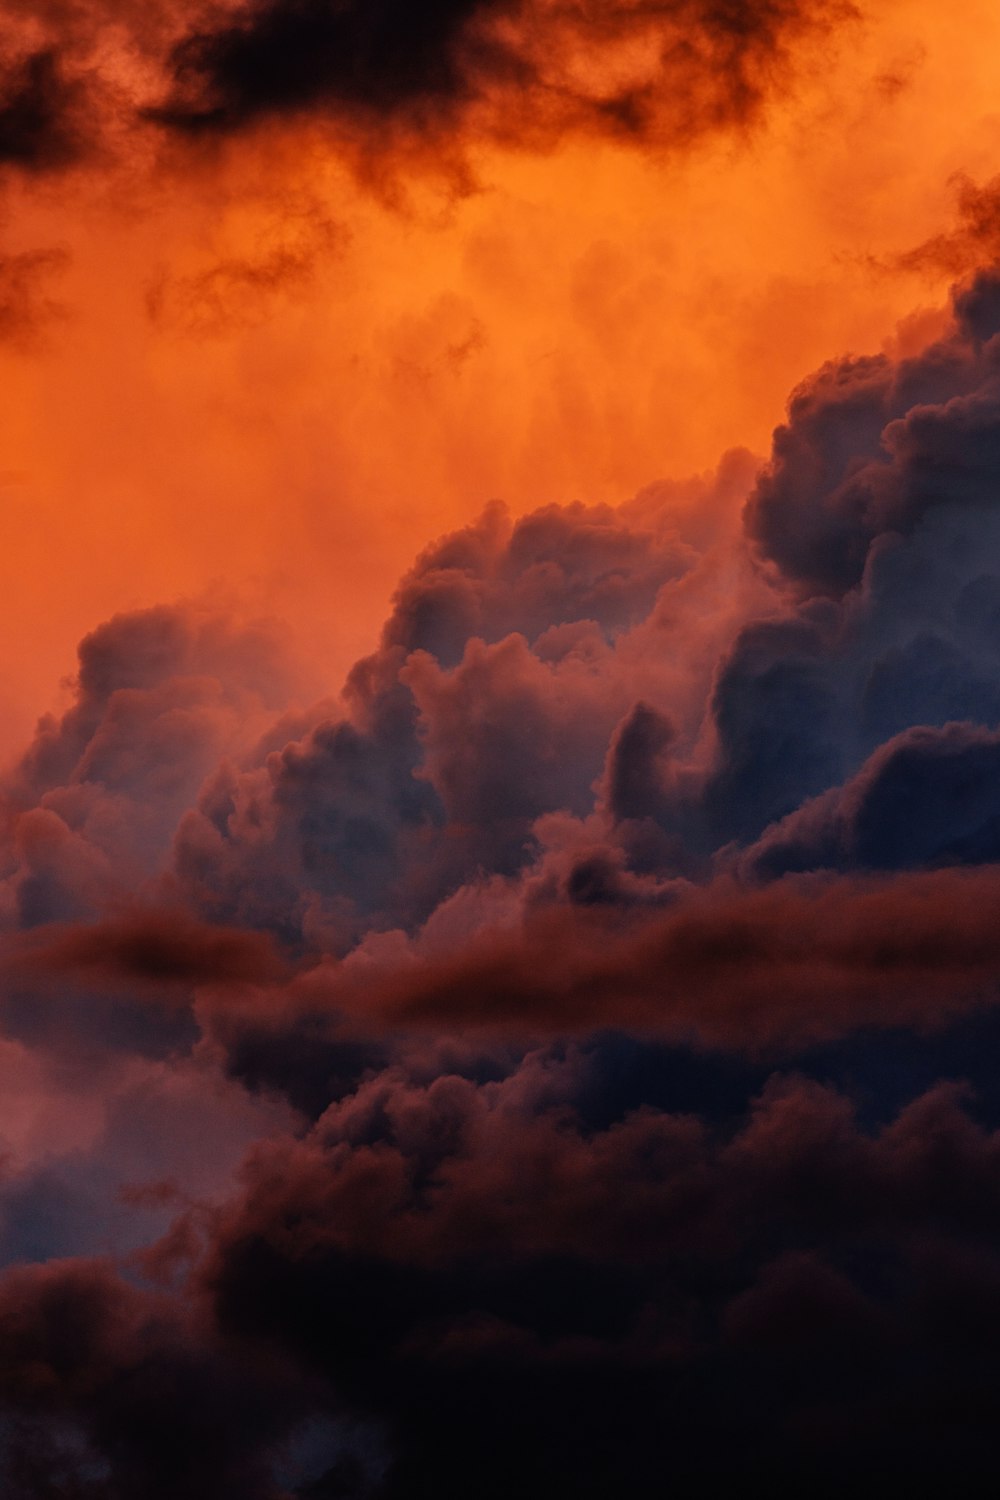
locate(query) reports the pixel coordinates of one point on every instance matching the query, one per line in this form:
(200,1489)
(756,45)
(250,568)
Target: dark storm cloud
(445,1270)
(878,513)
(670,1300)
(621,816)
(461,732)
(871,445)
(928,797)
(160,694)
(504,67)
(44,123)
(114,1393)
(399,85)
(289,56)
(552,671)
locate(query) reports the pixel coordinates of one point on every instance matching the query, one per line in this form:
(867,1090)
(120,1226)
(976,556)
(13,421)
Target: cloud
(525,74)
(240,291)
(25,306)
(44,125)
(376,817)
(585,708)
(725,1279)
(800,1286)
(83,86)
(927,797)
(113,1389)
(872,445)
(591,991)
(153,948)
(93,802)
(773,968)
(596,677)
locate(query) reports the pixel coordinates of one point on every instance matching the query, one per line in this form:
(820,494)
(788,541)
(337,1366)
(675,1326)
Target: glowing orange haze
(267,384)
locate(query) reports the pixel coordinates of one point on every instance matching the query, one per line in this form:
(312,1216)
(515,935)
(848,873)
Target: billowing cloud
(159,696)
(599,995)
(793,1294)
(927,797)
(873,445)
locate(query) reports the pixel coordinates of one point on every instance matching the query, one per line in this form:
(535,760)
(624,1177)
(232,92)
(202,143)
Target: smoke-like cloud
(43,114)
(524,73)
(80,84)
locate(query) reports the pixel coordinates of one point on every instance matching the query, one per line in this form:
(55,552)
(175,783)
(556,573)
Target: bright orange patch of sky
(264,384)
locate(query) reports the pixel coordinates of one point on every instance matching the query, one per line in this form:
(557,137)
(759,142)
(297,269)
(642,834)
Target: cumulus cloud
(597,678)
(873,445)
(585,708)
(600,993)
(927,797)
(460,732)
(159,696)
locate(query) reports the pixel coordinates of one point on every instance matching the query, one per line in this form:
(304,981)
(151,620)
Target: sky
(500,744)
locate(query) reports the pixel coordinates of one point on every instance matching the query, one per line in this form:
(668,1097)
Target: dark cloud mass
(43,108)
(521,71)
(392,77)
(564,1064)
(291,55)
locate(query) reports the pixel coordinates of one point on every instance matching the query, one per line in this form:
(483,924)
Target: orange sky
(251,378)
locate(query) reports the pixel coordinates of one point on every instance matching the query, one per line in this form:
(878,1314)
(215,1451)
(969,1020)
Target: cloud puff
(872,446)
(927,797)
(458,734)
(93,802)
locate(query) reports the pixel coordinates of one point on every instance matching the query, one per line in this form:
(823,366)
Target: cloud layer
(562,1060)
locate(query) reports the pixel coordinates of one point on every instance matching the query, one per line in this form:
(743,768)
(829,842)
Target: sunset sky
(264,365)
(500,731)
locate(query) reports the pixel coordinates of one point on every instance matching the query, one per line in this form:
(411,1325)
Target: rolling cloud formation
(562,1060)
